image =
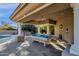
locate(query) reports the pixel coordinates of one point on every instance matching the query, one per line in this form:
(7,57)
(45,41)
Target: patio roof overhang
(35,12)
(27,9)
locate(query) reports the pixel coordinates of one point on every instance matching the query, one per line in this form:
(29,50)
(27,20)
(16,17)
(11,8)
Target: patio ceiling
(51,11)
(24,9)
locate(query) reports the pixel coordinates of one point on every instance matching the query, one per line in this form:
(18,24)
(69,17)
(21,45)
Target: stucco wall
(67,22)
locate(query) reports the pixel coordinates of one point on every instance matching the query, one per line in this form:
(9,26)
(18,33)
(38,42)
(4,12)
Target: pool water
(3,37)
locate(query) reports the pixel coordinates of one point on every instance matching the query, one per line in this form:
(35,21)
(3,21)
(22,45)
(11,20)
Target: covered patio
(64,14)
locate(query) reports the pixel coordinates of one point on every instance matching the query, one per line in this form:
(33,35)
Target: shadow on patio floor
(33,49)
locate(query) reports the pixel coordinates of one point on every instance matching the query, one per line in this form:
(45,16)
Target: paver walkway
(28,48)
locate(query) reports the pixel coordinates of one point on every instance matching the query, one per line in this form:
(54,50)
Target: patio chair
(58,43)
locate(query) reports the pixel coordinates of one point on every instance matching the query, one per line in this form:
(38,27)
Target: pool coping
(9,41)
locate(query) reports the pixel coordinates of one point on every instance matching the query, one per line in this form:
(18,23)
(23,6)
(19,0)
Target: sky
(6,9)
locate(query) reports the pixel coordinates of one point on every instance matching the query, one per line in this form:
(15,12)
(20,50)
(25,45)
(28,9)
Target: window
(52,29)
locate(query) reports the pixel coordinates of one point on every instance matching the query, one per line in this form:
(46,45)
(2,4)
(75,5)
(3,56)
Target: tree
(7,27)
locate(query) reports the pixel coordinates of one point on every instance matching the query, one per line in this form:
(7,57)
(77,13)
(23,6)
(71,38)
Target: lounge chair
(50,39)
(41,38)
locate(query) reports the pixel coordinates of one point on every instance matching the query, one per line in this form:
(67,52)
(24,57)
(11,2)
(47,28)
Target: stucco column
(19,29)
(75,47)
(48,29)
(38,29)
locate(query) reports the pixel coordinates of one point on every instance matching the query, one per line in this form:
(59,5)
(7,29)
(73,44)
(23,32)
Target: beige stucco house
(65,15)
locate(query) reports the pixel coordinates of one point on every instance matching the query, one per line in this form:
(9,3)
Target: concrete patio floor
(28,48)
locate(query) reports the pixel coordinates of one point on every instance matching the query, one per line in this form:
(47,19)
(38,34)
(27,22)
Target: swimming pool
(4,38)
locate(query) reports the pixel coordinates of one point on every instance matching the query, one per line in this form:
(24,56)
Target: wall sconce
(67,30)
(61,26)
